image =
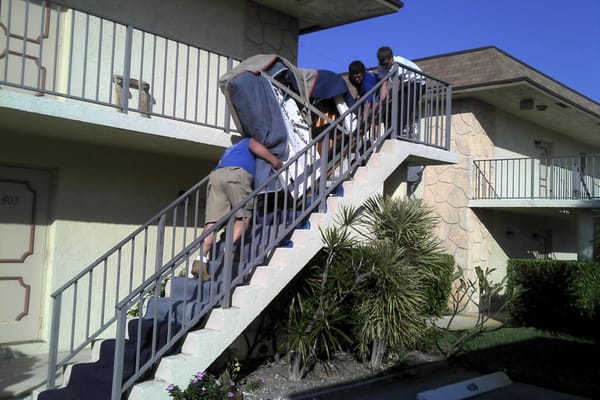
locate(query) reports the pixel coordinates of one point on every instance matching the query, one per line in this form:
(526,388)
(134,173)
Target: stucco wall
(98,196)
(213,25)
(517,138)
(269,31)
(530,235)
(447,188)
(237,28)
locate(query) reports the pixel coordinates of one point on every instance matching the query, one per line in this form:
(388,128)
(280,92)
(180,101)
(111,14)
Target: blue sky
(558,38)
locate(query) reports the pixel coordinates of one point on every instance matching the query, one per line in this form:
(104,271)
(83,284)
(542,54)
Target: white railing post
(126,70)
(323,174)
(160,241)
(532,193)
(117,382)
(227,122)
(53,345)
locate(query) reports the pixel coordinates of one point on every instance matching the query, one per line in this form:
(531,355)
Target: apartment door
(23,224)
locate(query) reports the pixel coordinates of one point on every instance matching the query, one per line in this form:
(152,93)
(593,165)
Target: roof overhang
(316,15)
(534,103)
(492,76)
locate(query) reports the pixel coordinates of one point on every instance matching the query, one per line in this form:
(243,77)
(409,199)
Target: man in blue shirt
(228,184)
(361,79)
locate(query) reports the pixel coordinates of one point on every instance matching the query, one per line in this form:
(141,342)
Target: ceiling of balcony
(315,15)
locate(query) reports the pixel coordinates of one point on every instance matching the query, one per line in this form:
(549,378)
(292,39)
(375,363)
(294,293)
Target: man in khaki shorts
(228,184)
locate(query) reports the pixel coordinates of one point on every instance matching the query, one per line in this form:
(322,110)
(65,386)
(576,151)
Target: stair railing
(280,205)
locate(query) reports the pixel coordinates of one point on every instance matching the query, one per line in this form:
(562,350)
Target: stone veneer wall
(269,31)
(447,188)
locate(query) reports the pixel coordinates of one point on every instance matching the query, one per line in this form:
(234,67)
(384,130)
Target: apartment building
(527,181)
(112,117)
(110,110)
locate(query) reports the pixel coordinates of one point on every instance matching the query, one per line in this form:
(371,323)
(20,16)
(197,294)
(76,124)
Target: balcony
(70,74)
(64,67)
(563,182)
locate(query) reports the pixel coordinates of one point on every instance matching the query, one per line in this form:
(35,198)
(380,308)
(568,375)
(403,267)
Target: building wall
(212,25)
(269,31)
(447,188)
(237,28)
(530,235)
(518,138)
(98,196)
(486,237)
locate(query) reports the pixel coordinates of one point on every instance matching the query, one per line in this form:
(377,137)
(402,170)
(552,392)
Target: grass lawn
(560,362)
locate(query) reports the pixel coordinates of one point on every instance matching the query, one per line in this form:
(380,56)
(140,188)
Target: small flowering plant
(207,386)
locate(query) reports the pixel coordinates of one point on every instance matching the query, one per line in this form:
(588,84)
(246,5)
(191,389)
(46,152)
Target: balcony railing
(50,50)
(558,178)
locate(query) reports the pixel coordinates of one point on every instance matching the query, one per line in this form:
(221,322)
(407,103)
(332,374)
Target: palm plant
(388,309)
(371,276)
(404,252)
(319,316)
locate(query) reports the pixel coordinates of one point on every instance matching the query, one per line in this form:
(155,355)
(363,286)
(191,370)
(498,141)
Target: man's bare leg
(200,265)
(208,240)
(239,227)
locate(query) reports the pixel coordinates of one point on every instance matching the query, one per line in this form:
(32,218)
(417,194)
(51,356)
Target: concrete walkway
(21,374)
(465,321)
(409,386)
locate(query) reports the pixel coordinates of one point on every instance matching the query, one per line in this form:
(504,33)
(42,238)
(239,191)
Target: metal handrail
(80,56)
(554,178)
(481,180)
(339,150)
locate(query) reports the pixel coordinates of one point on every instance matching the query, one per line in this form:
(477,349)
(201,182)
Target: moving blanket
(257,115)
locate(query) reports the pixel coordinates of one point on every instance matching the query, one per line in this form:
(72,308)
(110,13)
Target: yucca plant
(389,308)
(408,223)
(320,316)
(370,275)
(404,252)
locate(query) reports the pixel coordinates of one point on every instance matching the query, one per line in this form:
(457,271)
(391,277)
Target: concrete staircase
(201,348)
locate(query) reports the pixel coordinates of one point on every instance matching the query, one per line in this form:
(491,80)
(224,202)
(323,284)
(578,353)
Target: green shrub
(555,295)
(319,315)
(438,283)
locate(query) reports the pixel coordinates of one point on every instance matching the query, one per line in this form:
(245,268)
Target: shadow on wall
(102,184)
(15,367)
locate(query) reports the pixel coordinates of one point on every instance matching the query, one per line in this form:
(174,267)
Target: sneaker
(198,266)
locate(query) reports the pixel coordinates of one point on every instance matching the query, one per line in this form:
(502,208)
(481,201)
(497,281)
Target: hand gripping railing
(280,205)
